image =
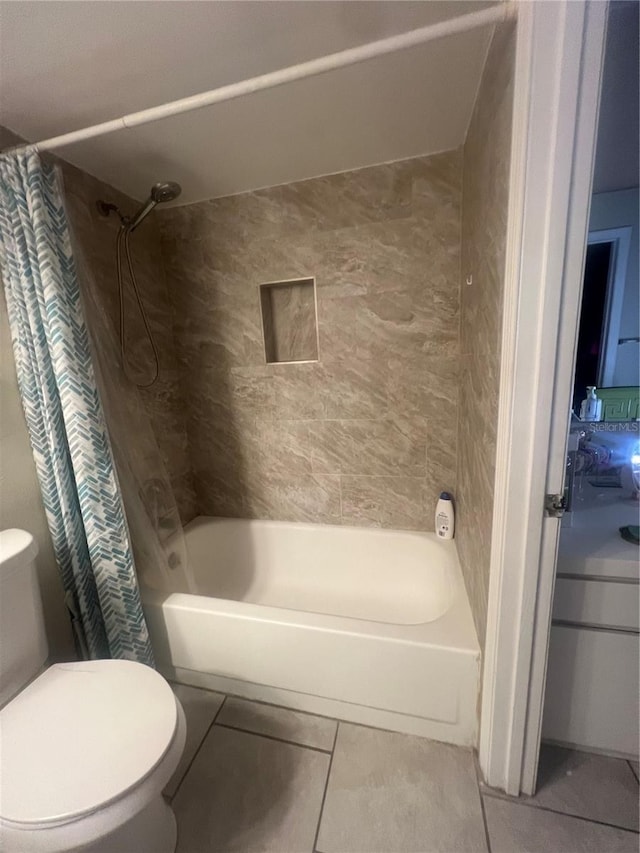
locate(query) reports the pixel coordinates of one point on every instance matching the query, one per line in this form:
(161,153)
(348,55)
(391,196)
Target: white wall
(619,210)
(20,500)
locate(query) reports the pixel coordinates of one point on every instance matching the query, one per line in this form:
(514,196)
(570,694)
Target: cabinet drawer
(603,603)
(591,699)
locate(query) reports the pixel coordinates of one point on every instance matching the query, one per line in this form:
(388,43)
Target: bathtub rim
(454,629)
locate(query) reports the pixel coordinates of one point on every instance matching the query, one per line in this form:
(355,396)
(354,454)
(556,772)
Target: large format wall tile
(297,498)
(95,239)
(386,501)
(484,230)
(367,434)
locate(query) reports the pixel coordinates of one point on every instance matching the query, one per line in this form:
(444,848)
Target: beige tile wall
(366,436)
(484,225)
(95,237)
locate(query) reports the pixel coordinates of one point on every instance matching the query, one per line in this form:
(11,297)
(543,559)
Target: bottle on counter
(591,408)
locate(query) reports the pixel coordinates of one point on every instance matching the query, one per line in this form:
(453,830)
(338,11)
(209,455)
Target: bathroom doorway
(595,622)
(594,298)
(603,296)
(538,392)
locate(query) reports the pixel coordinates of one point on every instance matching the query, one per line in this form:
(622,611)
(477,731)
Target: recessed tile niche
(289,321)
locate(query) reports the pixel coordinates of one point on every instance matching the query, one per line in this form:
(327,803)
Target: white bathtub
(372,626)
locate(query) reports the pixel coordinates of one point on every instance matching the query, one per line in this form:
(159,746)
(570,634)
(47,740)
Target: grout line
(274,705)
(633,770)
(484,819)
(324,793)
(478,775)
(518,802)
(273,737)
(195,754)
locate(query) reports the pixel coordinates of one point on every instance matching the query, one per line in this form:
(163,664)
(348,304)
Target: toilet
(86,748)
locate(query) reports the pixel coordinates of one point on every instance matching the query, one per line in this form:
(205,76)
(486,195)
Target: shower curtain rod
(485,17)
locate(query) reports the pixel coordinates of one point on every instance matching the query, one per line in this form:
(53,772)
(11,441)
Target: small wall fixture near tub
(289,321)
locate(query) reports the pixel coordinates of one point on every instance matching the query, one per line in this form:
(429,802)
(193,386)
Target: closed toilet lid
(80,736)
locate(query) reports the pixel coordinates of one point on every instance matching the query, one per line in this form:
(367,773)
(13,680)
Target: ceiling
(616,166)
(66,65)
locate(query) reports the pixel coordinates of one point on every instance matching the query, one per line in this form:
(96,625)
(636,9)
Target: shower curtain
(64,415)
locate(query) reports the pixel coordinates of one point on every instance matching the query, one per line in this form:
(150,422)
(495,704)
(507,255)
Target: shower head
(165,191)
(161,192)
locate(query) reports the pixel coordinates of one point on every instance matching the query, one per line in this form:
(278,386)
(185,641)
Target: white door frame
(559,54)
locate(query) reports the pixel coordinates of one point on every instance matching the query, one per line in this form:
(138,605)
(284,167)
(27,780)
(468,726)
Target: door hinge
(555,505)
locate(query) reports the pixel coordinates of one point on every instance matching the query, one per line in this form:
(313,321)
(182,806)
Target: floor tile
(244,792)
(200,707)
(587,785)
(516,828)
(392,792)
(283,723)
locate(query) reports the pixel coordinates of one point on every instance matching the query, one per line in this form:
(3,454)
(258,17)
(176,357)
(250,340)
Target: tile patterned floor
(257,777)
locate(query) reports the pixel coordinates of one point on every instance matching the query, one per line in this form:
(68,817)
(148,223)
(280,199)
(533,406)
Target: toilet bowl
(85,752)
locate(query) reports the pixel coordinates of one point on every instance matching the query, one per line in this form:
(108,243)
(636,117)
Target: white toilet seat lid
(80,736)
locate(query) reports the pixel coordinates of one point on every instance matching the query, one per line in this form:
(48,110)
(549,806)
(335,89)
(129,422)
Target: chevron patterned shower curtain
(64,416)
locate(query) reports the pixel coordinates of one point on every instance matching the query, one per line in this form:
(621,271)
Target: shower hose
(123,236)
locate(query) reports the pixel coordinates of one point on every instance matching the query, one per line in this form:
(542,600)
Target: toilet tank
(23,642)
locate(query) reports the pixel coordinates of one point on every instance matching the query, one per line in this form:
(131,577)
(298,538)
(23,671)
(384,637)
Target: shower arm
(134,221)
